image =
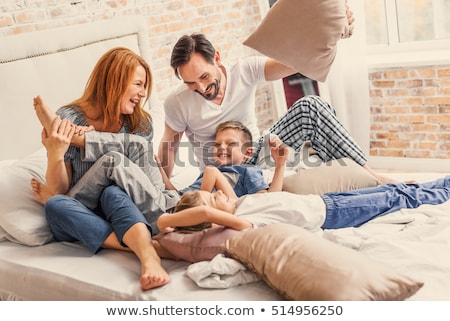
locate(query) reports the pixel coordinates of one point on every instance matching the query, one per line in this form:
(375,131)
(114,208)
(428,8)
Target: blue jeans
(71,221)
(354,208)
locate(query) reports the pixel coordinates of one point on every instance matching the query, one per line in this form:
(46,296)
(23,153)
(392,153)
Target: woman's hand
(57,141)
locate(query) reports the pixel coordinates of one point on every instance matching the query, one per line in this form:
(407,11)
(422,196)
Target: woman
(112,102)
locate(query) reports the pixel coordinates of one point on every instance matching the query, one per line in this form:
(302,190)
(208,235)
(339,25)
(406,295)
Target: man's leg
(312,119)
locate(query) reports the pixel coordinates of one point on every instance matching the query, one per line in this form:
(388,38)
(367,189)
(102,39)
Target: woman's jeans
(71,221)
(356,207)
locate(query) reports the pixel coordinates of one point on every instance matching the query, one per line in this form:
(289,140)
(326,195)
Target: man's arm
(168,149)
(274,70)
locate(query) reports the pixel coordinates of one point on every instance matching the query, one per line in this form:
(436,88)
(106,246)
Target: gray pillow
(22,218)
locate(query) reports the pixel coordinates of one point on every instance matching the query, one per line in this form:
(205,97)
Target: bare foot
(151,281)
(43,112)
(41,191)
(153,274)
(46,117)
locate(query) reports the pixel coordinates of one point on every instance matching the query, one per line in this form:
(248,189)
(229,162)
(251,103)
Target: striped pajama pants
(312,119)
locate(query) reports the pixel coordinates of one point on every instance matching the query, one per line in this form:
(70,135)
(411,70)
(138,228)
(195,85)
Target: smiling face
(218,200)
(135,91)
(203,77)
(231,148)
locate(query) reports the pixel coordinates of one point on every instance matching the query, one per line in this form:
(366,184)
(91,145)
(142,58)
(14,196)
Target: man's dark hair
(186,45)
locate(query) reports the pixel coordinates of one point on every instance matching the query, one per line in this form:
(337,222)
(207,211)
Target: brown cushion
(333,176)
(301,265)
(197,246)
(302,34)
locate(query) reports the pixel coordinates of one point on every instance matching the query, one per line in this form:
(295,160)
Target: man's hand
(351,21)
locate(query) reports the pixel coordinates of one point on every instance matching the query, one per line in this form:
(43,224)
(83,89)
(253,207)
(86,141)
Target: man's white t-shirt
(187,111)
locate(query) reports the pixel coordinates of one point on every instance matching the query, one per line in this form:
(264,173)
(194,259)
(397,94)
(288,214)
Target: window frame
(395,53)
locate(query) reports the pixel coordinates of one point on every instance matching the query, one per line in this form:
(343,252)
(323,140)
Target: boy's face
(230,147)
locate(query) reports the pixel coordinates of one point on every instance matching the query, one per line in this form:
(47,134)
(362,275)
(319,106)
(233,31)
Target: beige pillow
(303,266)
(197,246)
(334,176)
(302,34)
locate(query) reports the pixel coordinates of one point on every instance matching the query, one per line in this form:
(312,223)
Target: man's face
(201,76)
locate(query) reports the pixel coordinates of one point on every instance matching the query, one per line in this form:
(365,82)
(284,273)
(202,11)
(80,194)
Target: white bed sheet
(413,240)
(65,271)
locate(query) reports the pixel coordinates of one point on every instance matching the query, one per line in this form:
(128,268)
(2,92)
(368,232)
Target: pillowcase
(302,34)
(334,176)
(301,265)
(197,246)
(21,217)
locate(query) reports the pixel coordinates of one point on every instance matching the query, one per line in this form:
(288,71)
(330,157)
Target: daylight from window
(391,22)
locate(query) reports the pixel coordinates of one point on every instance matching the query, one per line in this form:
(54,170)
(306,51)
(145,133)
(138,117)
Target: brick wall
(226,23)
(410,112)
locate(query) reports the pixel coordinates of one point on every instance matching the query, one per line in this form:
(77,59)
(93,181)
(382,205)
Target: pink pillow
(302,34)
(197,246)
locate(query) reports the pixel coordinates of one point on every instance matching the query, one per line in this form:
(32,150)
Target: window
(402,21)
(407,27)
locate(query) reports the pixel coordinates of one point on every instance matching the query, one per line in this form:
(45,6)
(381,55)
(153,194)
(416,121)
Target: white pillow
(21,217)
(302,34)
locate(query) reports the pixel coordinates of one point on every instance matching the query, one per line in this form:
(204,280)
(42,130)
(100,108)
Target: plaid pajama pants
(312,119)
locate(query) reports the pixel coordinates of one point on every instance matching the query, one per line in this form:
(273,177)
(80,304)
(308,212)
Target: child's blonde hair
(188,200)
(233,124)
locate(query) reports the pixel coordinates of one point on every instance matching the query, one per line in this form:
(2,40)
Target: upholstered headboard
(56,64)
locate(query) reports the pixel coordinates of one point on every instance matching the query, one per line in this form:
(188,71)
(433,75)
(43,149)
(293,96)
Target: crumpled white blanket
(220,273)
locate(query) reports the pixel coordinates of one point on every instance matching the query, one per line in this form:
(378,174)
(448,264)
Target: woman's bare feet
(153,274)
(41,191)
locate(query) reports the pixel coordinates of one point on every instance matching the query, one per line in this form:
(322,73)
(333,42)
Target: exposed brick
(444,72)
(6,20)
(395,74)
(383,83)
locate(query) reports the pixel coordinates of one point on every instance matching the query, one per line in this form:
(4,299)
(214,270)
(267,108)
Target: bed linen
(416,241)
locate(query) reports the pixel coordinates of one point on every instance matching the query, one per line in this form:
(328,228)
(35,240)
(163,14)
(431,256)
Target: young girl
(327,211)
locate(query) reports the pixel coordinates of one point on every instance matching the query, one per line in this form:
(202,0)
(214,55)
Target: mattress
(69,272)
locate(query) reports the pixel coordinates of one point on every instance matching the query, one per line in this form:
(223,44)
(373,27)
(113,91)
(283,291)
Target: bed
(55,64)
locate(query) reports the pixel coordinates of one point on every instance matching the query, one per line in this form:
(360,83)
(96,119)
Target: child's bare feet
(41,191)
(43,112)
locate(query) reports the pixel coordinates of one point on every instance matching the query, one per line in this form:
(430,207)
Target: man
(213,93)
